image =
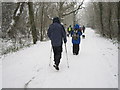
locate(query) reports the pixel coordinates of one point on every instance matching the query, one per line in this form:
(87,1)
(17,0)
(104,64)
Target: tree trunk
(101,18)
(60,11)
(32,22)
(74,19)
(110,25)
(119,21)
(11,31)
(41,29)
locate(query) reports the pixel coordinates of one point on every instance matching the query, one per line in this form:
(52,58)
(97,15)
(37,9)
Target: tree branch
(49,17)
(16,15)
(68,6)
(79,7)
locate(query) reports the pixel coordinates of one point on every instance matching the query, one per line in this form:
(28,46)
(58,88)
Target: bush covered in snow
(8,46)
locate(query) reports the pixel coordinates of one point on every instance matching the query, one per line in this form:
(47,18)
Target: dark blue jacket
(57,34)
(78,40)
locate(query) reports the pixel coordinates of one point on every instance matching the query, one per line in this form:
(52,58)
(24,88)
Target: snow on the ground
(96,66)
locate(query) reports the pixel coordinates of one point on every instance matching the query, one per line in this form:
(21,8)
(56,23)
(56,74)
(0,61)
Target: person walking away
(69,30)
(76,33)
(57,35)
(83,29)
(65,26)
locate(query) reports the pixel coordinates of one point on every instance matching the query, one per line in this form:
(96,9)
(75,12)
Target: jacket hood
(76,26)
(56,20)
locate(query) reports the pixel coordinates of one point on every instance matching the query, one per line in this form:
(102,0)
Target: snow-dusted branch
(16,15)
(73,11)
(68,6)
(49,17)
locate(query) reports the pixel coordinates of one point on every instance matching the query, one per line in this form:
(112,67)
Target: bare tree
(101,17)
(104,17)
(42,13)
(118,21)
(75,10)
(15,20)
(110,25)
(66,8)
(32,22)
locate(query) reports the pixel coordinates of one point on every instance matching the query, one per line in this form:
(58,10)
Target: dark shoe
(74,53)
(56,67)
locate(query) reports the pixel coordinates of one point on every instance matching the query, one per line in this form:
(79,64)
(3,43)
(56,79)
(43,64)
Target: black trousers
(83,30)
(57,50)
(76,49)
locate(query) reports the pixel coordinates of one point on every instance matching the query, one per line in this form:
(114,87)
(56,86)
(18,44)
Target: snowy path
(95,67)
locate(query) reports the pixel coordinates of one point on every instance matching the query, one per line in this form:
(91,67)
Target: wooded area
(104,17)
(26,22)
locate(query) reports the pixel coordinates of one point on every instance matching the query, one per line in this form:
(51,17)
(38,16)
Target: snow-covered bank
(95,67)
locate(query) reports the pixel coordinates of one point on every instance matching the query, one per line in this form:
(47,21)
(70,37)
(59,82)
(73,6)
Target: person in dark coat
(83,29)
(76,33)
(57,35)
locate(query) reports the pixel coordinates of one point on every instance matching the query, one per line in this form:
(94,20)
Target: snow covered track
(96,66)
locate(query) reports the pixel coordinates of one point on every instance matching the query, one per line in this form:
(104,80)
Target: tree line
(35,16)
(104,17)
